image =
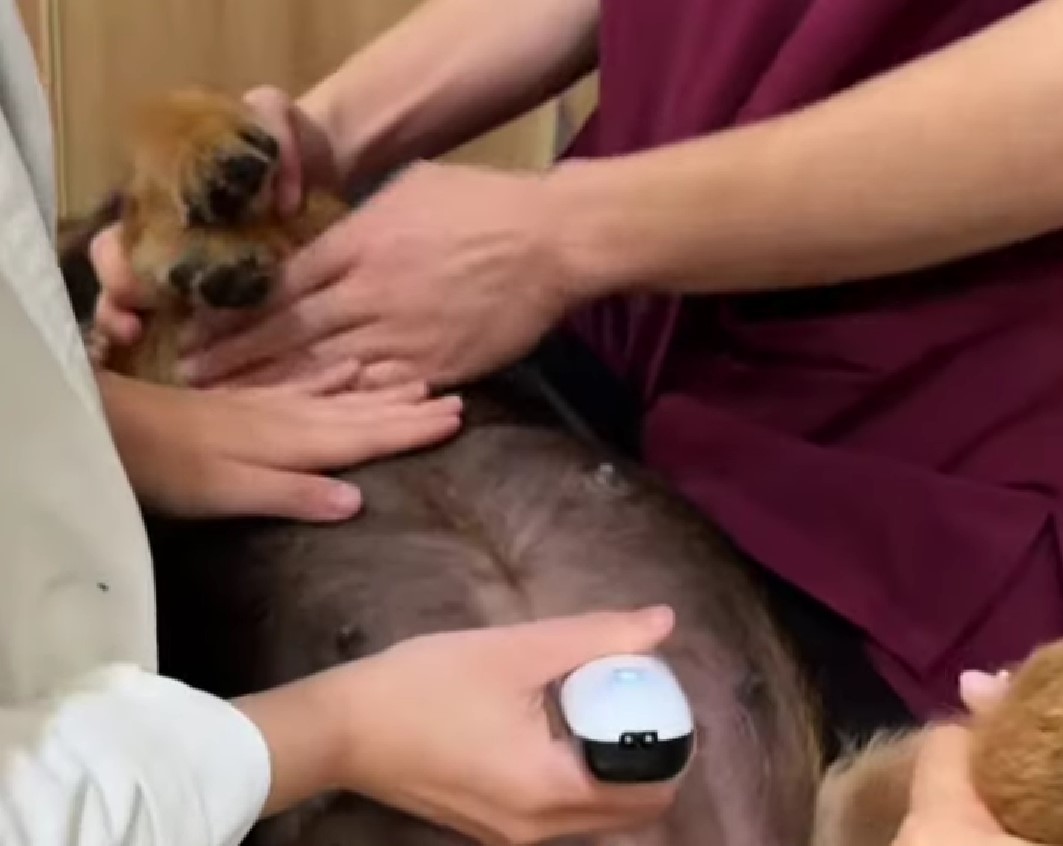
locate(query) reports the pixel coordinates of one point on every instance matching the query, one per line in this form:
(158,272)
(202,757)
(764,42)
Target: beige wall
(99,56)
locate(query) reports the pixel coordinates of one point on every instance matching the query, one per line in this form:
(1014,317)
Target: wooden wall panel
(108,53)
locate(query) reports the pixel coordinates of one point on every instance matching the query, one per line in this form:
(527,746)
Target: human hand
(447,273)
(944,808)
(483,761)
(306,158)
(257,452)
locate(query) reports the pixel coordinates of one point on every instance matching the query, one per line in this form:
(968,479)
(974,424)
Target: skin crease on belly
(514,519)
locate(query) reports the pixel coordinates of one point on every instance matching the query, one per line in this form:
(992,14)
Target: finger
(321,262)
(120,327)
(342,416)
(553,648)
(367,343)
(402,392)
(207,327)
(325,435)
(577,798)
(273,109)
(120,285)
(982,692)
(237,489)
(294,367)
(310,358)
(318,315)
(337,378)
(378,438)
(350,403)
(385,373)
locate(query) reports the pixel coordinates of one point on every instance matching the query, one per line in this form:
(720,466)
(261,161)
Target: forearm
(952,155)
(450,71)
(303,730)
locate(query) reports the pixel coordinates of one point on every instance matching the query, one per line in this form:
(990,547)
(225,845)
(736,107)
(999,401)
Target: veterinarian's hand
(945,810)
(258,452)
(481,758)
(445,274)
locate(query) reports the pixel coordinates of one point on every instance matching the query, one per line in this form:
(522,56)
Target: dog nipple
(608,476)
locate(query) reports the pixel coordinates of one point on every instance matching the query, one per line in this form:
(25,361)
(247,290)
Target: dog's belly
(510,521)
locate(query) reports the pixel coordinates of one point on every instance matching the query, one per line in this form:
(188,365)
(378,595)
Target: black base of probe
(638,757)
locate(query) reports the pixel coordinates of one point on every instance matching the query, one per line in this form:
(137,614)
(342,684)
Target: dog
(520,516)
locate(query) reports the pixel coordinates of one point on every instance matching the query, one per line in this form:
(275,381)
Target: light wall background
(97,57)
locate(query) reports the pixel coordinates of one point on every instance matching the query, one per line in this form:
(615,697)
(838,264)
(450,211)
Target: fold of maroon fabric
(915,558)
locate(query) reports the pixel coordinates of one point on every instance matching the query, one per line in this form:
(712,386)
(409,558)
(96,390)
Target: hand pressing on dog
(259,452)
(447,273)
(945,810)
(482,760)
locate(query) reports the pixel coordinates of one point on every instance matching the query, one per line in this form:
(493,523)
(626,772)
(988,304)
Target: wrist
(355,133)
(304,726)
(317,130)
(590,232)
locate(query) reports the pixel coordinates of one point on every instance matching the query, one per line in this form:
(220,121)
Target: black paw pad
(261,141)
(232,286)
(244,174)
(230,190)
(183,276)
(231,186)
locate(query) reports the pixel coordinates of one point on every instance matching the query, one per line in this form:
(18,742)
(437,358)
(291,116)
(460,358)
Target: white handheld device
(630,717)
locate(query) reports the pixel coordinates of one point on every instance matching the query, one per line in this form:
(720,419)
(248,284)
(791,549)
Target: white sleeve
(129,758)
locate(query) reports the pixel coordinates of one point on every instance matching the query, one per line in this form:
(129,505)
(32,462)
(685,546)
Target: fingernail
(187,370)
(977,687)
(657,617)
(345,499)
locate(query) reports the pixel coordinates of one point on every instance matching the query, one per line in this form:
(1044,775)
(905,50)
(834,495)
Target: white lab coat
(95,747)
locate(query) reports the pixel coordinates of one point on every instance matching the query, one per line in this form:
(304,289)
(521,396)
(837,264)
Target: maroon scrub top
(895,447)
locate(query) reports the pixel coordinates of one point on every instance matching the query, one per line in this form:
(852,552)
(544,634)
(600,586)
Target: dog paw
(239,278)
(202,155)
(229,176)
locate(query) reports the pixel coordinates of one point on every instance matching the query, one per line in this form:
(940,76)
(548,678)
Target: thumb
(553,648)
(120,285)
(317,264)
(273,110)
(982,692)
